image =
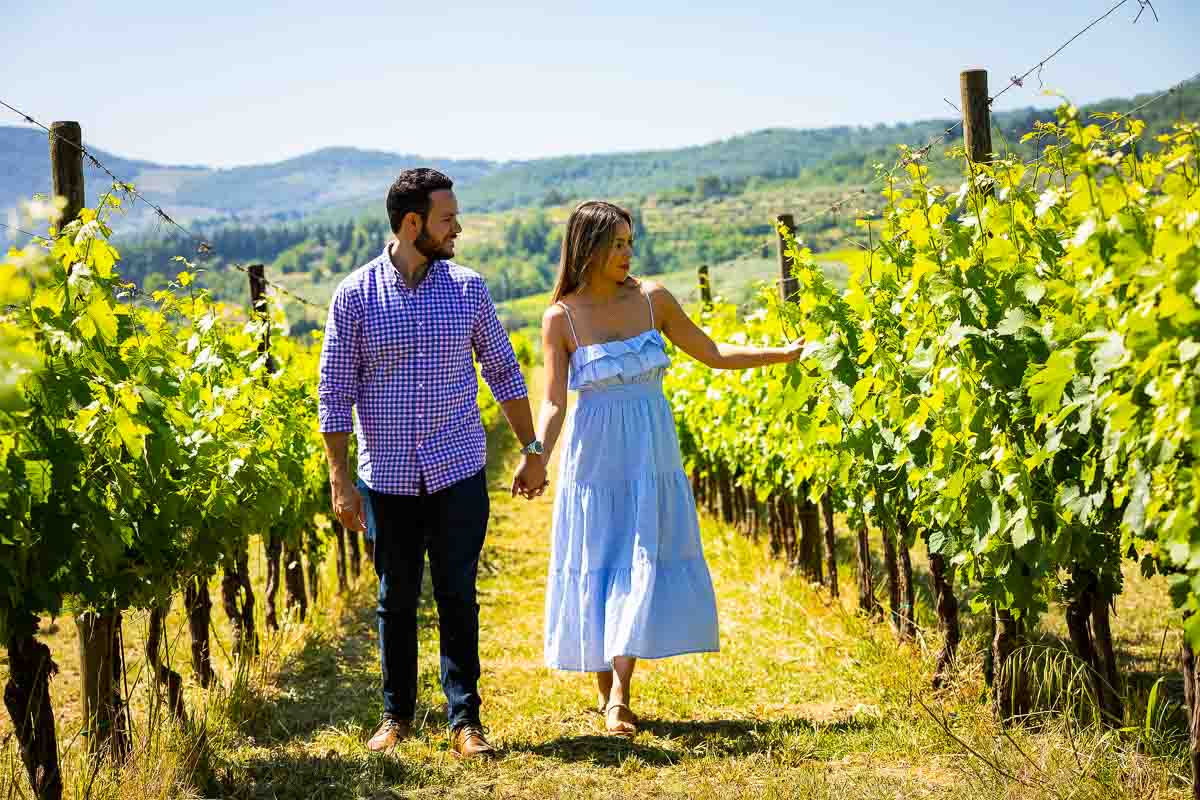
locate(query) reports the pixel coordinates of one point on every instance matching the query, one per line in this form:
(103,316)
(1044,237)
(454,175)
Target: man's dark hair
(411,193)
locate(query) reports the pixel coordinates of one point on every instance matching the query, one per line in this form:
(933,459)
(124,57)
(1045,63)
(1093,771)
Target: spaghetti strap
(574,335)
(643,291)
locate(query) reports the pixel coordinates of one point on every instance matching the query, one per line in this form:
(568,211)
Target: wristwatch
(534,448)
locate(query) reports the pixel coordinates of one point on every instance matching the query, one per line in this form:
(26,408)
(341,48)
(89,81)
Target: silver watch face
(533,448)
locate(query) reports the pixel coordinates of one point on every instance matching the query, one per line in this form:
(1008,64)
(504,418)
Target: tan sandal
(622,728)
(602,710)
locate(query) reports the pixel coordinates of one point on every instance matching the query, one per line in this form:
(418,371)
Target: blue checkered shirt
(401,358)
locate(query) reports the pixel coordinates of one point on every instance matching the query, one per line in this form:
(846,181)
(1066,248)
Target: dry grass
(806,699)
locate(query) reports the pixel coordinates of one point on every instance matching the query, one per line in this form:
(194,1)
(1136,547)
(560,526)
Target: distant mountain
(345,182)
(352,179)
(25,167)
(334,176)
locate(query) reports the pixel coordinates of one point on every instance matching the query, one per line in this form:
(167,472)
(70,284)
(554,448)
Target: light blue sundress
(627,572)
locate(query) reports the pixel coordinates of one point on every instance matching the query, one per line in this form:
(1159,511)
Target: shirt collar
(385,260)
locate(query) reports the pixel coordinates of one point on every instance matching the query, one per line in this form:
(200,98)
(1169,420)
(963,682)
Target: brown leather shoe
(467,741)
(389,734)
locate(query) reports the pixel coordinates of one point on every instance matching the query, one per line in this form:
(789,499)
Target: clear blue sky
(226,83)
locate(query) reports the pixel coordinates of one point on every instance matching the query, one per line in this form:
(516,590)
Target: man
(398,349)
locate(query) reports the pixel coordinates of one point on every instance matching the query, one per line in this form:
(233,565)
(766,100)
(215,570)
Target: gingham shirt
(402,359)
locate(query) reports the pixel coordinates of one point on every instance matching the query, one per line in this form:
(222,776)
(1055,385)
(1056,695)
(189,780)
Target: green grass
(806,700)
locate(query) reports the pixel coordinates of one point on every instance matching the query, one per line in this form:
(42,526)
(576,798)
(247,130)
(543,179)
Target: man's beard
(429,247)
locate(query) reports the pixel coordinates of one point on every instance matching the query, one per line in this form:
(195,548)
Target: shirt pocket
(455,324)
(386,337)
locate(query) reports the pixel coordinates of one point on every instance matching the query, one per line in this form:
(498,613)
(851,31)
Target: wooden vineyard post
(1079,617)
(908,593)
(705,287)
(237,591)
(808,524)
(830,543)
(198,605)
(339,540)
(66,165)
(787,523)
(774,527)
(805,519)
(258,303)
(1007,686)
(353,538)
(726,489)
(314,572)
(295,596)
(100,661)
(947,611)
(273,550)
(788,285)
(273,545)
(866,587)
(105,721)
(1191,695)
(1101,627)
(30,666)
(891,568)
(977,114)
(1008,680)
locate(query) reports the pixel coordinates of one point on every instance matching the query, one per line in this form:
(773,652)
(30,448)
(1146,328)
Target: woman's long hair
(590,232)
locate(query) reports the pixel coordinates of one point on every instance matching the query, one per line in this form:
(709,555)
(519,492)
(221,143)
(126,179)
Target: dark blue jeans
(450,525)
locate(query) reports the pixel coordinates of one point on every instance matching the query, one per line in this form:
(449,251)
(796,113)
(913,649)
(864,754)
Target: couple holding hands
(627,577)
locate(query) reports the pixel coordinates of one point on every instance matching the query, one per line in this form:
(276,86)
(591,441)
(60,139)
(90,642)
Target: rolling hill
(344,182)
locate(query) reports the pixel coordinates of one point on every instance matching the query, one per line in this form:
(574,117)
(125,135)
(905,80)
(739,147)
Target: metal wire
(1019,80)
(27,233)
(202,247)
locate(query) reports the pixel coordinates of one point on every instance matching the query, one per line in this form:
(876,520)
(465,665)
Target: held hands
(530,478)
(347,503)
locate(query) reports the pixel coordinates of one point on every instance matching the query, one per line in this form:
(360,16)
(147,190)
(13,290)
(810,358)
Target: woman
(627,573)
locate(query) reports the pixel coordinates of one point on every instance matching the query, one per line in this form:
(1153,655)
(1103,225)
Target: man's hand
(347,503)
(530,479)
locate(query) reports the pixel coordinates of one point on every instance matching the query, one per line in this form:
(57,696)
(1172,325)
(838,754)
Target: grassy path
(788,706)
(806,700)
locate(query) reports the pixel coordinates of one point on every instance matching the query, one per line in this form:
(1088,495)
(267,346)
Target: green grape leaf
(101,315)
(1046,386)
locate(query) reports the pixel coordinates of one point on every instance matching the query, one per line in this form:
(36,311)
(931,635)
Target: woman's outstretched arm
(688,337)
(556,357)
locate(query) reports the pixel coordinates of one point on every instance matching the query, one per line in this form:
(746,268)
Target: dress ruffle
(594,365)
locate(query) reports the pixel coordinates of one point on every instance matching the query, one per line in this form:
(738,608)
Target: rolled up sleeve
(497,361)
(340,368)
